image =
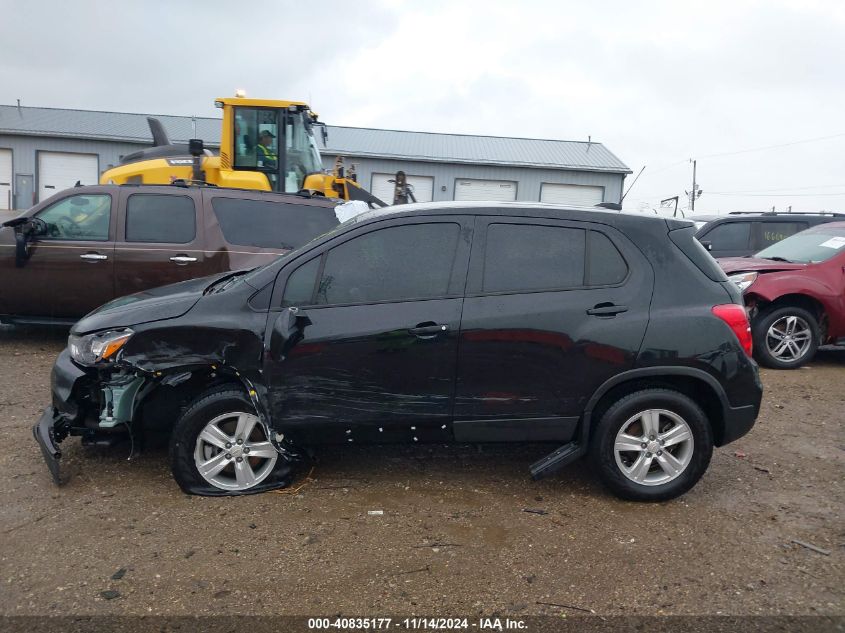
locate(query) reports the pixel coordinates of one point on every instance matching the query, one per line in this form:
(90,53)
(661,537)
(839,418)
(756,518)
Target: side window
(160,218)
(606,265)
(267,224)
(728,236)
(773,232)
(393,264)
(526,257)
(78,218)
(300,285)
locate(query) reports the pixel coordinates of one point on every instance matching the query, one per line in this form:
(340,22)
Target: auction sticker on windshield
(834,242)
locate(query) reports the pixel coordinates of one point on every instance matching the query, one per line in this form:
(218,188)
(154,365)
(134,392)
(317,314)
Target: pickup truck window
(78,218)
(160,218)
(267,224)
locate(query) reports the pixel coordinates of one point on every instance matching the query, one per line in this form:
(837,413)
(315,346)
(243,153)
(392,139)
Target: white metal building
(44,150)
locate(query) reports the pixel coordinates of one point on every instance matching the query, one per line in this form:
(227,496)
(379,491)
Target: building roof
(346,141)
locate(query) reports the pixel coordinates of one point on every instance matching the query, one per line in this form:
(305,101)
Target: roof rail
(831,213)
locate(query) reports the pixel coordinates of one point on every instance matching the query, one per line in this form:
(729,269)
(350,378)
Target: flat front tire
(219,447)
(652,445)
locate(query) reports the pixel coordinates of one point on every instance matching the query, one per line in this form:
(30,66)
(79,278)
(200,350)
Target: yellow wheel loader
(265,144)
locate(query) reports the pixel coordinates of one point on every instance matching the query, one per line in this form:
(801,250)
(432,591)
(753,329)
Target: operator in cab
(265,153)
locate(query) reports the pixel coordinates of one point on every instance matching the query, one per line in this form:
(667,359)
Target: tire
(228,409)
(652,478)
(771,324)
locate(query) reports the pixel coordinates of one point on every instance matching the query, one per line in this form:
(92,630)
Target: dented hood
(749,264)
(156,304)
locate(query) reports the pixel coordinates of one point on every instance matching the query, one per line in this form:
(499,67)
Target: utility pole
(695,192)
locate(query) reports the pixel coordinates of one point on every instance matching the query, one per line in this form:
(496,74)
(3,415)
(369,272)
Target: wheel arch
(697,384)
(797,299)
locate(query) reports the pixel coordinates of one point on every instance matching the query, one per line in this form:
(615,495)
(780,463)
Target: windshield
(807,247)
(302,156)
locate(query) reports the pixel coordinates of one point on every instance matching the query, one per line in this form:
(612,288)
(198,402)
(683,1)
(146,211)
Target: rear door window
(729,236)
(269,224)
(160,218)
(527,257)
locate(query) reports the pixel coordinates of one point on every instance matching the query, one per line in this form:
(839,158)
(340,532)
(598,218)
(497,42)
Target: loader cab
(274,138)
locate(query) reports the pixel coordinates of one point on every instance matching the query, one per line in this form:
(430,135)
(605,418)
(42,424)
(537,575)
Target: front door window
(83,218)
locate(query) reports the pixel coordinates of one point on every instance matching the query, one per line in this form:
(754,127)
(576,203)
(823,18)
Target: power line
(760,149)
(779,189)
(746,151)
(774,195)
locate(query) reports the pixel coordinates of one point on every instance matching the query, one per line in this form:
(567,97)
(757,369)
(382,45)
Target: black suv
(599,333)
(743,233)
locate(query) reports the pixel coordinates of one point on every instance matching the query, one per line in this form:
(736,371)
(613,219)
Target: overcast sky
(658,83)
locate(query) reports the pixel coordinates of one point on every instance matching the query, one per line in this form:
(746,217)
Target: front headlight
(743,280)
(94,348)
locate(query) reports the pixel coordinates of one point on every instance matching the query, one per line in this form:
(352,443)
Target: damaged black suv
(594,332)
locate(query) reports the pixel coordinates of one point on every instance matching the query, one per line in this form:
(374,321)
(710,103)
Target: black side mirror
(707,244)
(288,330)
(196,147)
(25,230)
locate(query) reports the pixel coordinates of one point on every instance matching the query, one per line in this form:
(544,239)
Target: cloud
(657,82)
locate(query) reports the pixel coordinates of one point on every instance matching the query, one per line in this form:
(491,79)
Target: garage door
(499,190)
(581,195)
(382,188)
(60,170)
(5,179)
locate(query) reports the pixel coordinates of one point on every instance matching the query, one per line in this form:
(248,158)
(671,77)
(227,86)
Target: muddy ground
(454,536)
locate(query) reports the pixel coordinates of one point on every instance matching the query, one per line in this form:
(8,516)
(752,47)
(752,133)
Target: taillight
(737,319)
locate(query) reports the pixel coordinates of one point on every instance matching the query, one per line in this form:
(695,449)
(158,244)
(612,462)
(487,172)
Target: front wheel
(785,338)
(652,445)
(219,447)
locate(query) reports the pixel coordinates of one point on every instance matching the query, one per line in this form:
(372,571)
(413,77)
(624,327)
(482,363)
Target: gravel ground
(454,536)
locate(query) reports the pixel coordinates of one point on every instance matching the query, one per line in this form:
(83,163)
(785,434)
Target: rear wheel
(785,338)
(652,445)
(218,447)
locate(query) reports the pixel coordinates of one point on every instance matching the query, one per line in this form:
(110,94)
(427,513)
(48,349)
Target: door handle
(93,257)
(182,259)
(428,330)
(606,310)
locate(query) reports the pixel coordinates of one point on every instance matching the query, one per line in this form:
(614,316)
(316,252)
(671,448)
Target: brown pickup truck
(87,245)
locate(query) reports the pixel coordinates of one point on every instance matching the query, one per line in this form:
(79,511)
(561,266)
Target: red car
(794,291)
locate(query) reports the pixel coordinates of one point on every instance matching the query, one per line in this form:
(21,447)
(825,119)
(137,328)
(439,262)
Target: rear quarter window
(270,224)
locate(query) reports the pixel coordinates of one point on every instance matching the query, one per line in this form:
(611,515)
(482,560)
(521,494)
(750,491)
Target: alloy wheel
(653,447)
(233,452)
(789,338)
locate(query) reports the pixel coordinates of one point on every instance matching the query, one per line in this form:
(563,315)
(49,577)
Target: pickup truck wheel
(219,447)
(785,338)
(652,445)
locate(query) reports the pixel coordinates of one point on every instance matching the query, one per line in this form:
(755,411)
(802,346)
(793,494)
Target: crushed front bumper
(44,432)
(54,424)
